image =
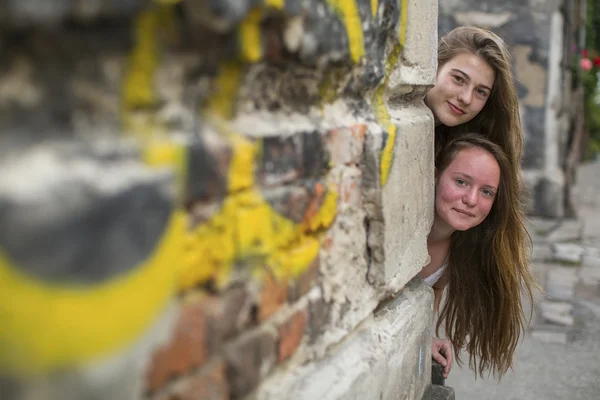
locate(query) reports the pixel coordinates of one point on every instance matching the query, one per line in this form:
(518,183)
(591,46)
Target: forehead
(478,164)
(476,67)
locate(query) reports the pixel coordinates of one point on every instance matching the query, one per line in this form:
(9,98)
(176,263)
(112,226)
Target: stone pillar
(215,199)
(542,36)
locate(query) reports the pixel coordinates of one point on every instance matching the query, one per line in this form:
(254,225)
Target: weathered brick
(272,296)
(290,334)
(209,383)
(249,358)
(301,285)
(345,145)
(300,156)
(226,315)
(350,189)
(289,201)
(185,350)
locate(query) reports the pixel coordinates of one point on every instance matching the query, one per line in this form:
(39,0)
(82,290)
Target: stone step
(548,333)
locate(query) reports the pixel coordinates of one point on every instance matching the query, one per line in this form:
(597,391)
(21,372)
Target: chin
(449,121)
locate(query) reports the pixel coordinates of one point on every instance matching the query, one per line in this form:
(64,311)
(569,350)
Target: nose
(470,198)
(465,96)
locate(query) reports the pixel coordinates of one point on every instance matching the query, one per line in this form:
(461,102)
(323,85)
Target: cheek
(485,209)
(447,194)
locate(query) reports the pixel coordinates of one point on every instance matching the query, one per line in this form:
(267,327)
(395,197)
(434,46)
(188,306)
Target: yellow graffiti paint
(139,81)
(348,11)
(380,108)
(278,4)
(139,90)
(51,326)
(247,229)
(403,21)
(374,7)
(221,103)
(249,36)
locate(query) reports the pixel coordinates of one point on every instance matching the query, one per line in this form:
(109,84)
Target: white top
(433,278)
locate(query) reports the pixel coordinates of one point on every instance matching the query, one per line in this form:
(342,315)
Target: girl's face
(463,86)
(467,188)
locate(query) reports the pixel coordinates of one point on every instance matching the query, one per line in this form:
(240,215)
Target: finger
(440,359)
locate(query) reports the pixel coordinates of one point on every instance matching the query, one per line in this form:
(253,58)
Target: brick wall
(215,200)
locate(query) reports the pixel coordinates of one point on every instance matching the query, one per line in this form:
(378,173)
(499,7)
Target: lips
(456,110)
(468,214)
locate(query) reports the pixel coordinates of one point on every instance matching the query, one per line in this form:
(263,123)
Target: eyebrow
(471,178)
(469,78)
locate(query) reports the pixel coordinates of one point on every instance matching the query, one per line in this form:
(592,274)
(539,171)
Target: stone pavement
(560,355)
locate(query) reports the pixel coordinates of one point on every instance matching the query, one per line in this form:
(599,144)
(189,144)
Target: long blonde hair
(499,119)
(488,272)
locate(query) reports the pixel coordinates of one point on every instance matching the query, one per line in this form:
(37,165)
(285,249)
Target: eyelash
(487,192)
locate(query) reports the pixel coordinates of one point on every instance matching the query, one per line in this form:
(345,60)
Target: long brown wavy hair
(488,272)
(499,119)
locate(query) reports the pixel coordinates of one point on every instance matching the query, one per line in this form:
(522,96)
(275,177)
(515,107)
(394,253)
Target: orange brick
(290,335)
(185,350)
(304,282)
(273,294)
(210,383)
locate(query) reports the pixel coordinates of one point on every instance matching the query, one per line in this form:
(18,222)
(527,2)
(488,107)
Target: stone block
(249,359)
(591,261)
(567,252)
(368,364)
(401,211)
(418,64)
(551,334)
(567,230)
(549,196)
(560,282)
(557,315)
(439,392)
(541,252)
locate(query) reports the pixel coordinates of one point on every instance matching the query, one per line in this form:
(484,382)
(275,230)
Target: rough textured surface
(199,196)
(367,365)
(543,37)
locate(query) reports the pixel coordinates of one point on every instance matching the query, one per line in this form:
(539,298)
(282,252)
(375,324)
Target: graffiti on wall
(239,204)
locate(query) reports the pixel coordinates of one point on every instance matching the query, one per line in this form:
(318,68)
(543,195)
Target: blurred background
(229,199)
(556,51)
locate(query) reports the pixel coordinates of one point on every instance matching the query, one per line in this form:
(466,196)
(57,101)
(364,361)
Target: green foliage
(590,78)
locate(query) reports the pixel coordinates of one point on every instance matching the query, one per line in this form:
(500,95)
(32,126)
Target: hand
(441,351)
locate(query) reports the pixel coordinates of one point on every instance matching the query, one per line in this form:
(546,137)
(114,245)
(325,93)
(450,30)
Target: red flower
(584,53)
(597,61)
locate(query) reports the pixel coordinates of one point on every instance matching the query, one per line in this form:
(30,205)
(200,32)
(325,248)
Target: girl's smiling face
(463,86)
(467,188)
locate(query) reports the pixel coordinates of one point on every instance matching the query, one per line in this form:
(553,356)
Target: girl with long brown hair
(475,92)
(474,253)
